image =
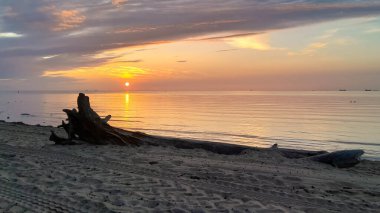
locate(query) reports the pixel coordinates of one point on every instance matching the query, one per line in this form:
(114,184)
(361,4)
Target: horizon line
(131,91)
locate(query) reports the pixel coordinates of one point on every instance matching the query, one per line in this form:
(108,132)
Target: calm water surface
(308,120)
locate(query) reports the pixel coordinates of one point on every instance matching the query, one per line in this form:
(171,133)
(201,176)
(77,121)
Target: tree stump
(86,125)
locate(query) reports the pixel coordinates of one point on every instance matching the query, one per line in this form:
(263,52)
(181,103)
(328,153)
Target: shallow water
(307,120)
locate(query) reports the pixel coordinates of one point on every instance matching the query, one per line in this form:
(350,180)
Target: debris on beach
(86,125)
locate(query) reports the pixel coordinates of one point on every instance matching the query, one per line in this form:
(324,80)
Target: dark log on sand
(340,159)
(87,126)
(215,147)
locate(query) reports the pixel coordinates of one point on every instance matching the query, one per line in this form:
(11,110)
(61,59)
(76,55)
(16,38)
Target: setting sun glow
(241,45)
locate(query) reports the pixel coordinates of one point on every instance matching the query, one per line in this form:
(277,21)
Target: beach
(37,176)
(189,106)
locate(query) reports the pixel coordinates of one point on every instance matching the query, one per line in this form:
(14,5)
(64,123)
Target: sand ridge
(37,176)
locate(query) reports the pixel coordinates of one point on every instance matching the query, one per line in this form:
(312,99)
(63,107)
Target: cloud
(133,61)
(317,45)
(10,35)
(145,49)
(68,19)
(327,39)
(78,29)
(310,49)
(222,36)
(373,30)
(227,50)
(257,42)
(119,3)
(181,61)
(328,34)
(65,19)
(106,70)
(7,12)
(49,56)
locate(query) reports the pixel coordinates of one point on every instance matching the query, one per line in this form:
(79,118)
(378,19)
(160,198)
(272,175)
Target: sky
(189,44)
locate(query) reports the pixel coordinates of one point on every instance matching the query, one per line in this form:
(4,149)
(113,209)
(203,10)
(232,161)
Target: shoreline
(38,175)
(169,138)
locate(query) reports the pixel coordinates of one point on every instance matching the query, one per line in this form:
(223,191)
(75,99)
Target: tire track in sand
(173,190)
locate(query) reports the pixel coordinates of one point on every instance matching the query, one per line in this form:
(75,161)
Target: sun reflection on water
(126,100)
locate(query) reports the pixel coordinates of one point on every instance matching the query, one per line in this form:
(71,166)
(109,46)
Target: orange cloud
(68,19)
(119,70)
(118,3)
(65,19)
(256,42)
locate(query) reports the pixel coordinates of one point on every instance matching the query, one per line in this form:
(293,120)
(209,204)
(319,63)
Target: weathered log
(215,147)
(340,159)
(86,125)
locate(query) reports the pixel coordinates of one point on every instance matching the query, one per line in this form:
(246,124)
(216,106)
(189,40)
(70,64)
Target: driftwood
(340,159)
(87,126)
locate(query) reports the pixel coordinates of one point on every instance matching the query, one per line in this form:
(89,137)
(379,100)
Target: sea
(311,120)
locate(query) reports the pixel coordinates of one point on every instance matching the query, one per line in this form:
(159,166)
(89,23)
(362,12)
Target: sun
(127,84)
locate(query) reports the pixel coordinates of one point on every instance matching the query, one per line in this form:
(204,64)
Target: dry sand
(36,176)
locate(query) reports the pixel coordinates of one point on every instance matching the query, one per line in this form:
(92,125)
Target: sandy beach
(37,176)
